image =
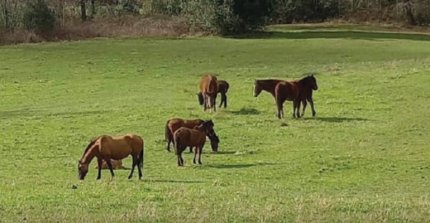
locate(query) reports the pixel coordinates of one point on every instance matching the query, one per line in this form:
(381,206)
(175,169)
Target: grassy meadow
(364,158)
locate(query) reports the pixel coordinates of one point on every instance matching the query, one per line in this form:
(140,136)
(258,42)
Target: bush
(227,16)
(39,18)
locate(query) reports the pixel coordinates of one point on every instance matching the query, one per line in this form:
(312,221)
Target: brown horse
(266,85)
(175,123)
(117,148)
(184,137)
(296,91)
(209,90)
(223,87)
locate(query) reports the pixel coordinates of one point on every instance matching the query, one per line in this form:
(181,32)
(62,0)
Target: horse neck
(303,83)
(269,86)
(89,155)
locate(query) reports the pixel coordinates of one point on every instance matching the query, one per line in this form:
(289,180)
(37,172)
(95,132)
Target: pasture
(364,158)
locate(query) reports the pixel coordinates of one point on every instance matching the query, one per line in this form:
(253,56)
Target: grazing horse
(196,137)
(209,90)
(223,87)
(296,91)
(266,85)
(175,123)
(107,147)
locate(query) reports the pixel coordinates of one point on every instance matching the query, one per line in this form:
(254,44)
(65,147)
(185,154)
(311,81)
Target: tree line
(215,16)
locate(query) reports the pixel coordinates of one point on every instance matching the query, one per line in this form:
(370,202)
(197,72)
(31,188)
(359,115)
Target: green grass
(364,158)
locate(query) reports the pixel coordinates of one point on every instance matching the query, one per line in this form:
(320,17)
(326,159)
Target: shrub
(38,17)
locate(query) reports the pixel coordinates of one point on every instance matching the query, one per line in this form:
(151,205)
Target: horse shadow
(176,181)
(224,153)
(336,119)
(245,111)
(238,166)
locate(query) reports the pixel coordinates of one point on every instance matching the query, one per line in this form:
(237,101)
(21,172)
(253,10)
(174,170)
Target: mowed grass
(364,158)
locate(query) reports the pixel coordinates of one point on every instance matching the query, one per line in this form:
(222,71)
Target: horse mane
(94,140)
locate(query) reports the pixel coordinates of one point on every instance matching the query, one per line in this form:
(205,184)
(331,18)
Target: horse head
(314,82)
(200,98)
(257,88)
(214,142)
(82,169)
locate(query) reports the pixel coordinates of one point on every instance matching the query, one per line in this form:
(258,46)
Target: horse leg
(280,108)
(195,154)
(304,102)
(222,100)
(294,108)
(311,102)
(191,149)
(225,101)
(214,103)
(298,108)
(110,166)
(205,102)
(99,164)
(200,149)
(132,167)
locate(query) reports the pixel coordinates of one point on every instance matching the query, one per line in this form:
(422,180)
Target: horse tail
(176,140)
(167,132)
(200,97)
(142,153)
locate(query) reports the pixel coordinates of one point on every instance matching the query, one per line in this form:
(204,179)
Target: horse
(196,137)
(209,90)
(296,91)
(175,123)
(107,147)
(223,87)
(266,85)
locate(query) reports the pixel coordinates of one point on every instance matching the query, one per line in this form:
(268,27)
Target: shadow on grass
(238,166)
(41,113)
(177,181)
(224,153)
(336,119)
(245,111)
(335,34)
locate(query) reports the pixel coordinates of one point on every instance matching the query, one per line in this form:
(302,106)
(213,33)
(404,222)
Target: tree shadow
(336,119)
(245,111)
(333,34)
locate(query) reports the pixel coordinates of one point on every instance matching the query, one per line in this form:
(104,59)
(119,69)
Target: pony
(196,137)
(175,123)
(266,85)
(107,147)
(223,87)
(209,91)
(296,91)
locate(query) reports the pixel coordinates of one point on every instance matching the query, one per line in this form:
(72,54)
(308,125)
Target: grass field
(364,158)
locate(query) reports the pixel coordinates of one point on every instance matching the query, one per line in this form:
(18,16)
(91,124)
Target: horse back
(189,137)
(287,90)
(208,84)
(222,86)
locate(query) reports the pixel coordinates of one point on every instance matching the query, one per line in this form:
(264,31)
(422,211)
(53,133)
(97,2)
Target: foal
(209,90)
(196,137)
(223,87)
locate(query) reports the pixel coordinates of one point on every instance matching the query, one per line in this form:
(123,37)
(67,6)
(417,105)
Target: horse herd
(192,133)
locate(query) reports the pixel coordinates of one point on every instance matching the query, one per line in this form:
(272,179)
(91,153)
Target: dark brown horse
(117,148)
(196,137)
(175,123)
(223,87)
(266,85)
(209,91)
(296,91)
